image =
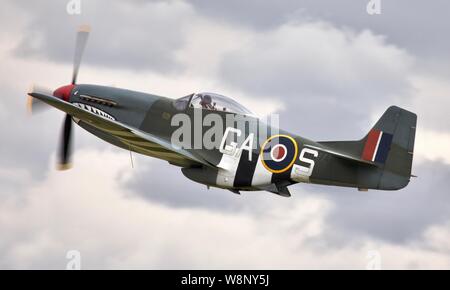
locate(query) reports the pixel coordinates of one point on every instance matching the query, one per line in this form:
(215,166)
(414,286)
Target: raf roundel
(278,153)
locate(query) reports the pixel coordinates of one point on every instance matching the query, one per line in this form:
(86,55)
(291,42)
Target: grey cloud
(400,216)
(135,35)
(157,181)
(26,142)
(415,25)
(254,13)
(160,182)
(327,78)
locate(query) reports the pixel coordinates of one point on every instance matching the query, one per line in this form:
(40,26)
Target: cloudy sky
(327,67)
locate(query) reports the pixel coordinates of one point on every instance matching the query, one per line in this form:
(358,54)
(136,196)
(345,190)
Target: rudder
(390,143)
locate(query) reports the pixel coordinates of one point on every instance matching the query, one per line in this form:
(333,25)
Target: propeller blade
(35,105)
(65,149)
(82,37)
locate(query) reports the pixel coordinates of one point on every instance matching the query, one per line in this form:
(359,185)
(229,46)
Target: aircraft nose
(64,92)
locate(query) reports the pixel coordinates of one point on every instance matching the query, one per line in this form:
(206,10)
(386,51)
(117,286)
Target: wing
(120,130)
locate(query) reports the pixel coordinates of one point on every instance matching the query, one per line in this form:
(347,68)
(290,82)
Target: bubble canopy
(211,102)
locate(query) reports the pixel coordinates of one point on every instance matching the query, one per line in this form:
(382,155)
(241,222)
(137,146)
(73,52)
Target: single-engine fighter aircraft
(144,123)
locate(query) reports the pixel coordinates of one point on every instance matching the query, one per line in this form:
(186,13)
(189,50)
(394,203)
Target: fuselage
(254,157)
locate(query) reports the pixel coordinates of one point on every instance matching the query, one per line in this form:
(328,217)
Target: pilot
(206,102)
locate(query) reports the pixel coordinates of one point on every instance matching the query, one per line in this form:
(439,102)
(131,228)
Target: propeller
(65,147)
(64,93)
(80,44)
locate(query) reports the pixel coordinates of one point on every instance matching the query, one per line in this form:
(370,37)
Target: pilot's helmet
(206,99)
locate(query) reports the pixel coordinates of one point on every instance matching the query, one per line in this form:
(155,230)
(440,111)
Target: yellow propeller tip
(30,104)
(63,166)
(84,28)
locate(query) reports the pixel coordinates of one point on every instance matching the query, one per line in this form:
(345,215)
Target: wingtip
(29,104)
(31,89)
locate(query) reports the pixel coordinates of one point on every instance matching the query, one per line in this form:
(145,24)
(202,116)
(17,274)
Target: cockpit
(211,102)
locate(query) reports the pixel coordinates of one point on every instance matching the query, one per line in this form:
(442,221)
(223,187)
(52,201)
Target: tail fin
(390,143)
